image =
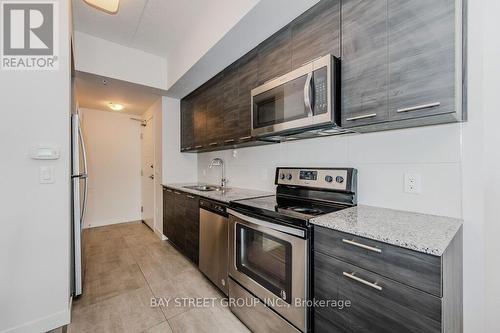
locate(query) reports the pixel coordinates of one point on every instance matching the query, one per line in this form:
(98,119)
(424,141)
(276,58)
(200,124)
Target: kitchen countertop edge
(430,234)
(233,193)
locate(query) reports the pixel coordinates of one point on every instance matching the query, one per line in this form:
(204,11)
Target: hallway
(126,265)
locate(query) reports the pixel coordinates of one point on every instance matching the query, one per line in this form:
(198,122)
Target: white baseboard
(96,224)
(45,324)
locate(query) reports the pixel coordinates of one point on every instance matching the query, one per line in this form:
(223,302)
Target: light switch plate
(46,175)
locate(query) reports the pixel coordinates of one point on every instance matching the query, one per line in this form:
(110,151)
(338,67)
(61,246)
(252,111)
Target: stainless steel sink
(204,188)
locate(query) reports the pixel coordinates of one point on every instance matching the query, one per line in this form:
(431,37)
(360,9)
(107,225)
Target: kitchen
(324,156)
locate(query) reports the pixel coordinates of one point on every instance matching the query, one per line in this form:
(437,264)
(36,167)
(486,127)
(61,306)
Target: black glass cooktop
(295,211)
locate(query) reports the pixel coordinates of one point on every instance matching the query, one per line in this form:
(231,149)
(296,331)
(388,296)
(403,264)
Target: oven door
(270,260)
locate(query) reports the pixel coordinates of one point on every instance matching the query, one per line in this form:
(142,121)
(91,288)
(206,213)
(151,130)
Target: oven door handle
(273,226)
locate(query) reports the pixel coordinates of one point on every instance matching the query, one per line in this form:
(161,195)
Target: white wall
(114,160)
(481,172)
(98,56)
(381,159)
(177,167)
(155,112)
(35,218)
(215,45)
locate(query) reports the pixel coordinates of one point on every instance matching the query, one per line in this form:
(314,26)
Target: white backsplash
(381,158)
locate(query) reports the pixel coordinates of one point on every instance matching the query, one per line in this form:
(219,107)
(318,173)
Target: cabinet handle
(187,148)
(246,137)
(360,280)
(363,246)
(370,115)
(229,141)
(190,196)
(213,144)
(198,147)
(169,190)
(419,107)
(177,192)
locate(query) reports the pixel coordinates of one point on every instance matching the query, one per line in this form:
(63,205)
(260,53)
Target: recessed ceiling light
(116,106)
(107,6)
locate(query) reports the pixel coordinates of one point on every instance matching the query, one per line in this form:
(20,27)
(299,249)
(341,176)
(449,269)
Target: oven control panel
(341,179)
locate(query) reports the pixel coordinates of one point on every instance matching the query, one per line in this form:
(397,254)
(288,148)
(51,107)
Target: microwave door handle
(307,94)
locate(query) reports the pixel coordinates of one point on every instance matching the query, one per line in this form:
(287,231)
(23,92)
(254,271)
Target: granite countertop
(227,195)
(419,232)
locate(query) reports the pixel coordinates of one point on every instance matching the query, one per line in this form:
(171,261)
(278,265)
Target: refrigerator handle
(84,174)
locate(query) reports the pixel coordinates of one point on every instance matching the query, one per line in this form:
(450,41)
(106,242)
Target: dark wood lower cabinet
(181,222)
(380,298)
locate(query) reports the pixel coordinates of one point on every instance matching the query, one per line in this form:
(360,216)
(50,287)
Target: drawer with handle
(416,269)
(377,304)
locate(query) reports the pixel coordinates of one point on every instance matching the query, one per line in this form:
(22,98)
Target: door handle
(363,246)
(152,177)
(363,281)
(307,94)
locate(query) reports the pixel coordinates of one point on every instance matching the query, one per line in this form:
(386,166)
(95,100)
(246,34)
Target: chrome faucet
(220,163)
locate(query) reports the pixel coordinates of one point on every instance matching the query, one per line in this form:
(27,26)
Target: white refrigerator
(79,179)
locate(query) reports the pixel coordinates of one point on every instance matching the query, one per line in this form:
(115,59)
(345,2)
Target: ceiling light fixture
(107,6)
(116,106)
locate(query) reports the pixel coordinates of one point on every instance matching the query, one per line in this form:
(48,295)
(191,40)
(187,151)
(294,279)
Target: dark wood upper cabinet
(187,125)
(422,58)
(275,55)
(316,33)
(247,80)
(230,104)
(364,62)
(215,113)
(200,118)
(398,69)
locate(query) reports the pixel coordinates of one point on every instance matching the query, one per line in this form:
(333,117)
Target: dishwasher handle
(214,207)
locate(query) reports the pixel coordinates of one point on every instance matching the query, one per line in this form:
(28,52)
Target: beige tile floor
(126,265)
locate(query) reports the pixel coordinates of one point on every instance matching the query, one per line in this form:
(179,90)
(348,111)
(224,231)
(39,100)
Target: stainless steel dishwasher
(214,242)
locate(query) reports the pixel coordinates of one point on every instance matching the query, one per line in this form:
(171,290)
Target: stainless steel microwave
(306,100)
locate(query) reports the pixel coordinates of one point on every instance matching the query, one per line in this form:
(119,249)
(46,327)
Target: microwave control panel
(320,80)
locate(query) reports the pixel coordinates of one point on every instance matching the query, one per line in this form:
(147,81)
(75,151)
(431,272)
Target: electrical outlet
(412,183)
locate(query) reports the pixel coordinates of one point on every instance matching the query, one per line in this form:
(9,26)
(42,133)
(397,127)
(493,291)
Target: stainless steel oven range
(269,246)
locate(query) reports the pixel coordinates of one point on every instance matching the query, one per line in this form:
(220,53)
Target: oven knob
(339,179)
(328,179)
(289,176)
(282,176)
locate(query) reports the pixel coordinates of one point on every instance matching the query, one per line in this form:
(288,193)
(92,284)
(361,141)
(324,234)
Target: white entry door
(148,172)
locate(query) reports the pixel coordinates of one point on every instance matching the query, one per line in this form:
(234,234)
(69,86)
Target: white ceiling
(154,26)
(93,94)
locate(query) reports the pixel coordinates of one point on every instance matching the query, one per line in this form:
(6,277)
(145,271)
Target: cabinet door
(168,212)
(215,113)
(187,126)
(378,305)
(275,55)
(192,226)
(178,225)
(248,79)
(364,62)
(316,33)
(421,57)
(231,116)
(199,119)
